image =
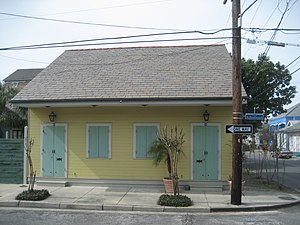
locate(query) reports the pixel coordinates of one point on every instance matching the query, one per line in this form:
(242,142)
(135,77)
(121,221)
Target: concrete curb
(255,208)
(136,208)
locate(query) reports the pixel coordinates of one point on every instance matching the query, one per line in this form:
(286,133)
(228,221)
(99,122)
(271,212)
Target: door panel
(198,161)
(53,152)
(59,156)
(47,155)
(205,152)
(212,160)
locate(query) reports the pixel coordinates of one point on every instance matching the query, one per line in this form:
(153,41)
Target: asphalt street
(289,169)
(13,216)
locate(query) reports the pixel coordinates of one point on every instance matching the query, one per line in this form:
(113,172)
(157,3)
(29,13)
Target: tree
(11,116)
(268,86)
(32,173)
(168,148)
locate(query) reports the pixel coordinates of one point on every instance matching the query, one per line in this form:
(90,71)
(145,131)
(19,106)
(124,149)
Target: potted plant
(160,153)
(168,148)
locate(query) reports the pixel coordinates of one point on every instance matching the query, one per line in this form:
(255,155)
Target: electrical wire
(287,8)
(268,47)
(26,60)
(112,7)
(88,23)
(255,13)
(104,8)
(98,39)
(295,71)
(293,61)
(270,17)
(112,38)
(117,43)
(73,42)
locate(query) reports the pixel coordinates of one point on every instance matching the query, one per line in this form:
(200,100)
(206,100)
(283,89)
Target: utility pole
(236,188)
(236,183)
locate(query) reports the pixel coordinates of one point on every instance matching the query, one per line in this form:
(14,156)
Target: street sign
(254,116)
(239,129)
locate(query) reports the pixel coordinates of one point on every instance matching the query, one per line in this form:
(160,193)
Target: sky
(35,22)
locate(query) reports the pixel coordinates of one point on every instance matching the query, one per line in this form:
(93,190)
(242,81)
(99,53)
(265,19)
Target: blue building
(286,127)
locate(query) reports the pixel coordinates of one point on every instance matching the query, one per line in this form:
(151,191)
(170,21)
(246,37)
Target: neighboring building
(292,131)
(107,105)
(283,124)
(20,78)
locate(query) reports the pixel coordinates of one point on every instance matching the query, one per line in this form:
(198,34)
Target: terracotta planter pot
(169,187)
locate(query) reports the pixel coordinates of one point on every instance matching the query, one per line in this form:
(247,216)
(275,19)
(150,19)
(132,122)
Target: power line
(103,8)
(212,32)
(117,43)
(98,39)
(293,61)
(105,39)
(270,16)
(257,29)
(270,43)
(26,60)
(279,23)
(112,7)
(295,71)
(255,12)
(87,23)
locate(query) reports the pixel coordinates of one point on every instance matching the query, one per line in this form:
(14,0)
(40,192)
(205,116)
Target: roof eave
(123,102)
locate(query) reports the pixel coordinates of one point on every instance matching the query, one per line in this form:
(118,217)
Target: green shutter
(47,151)
(59,147)
(103,141)
(151,138)
(141,141)
(145,137)
(93,146)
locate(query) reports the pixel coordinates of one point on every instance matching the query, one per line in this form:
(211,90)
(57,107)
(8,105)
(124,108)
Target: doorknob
(199,161)
(58,159)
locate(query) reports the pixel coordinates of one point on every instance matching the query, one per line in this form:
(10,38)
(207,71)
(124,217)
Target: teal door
(205,152)
(53,151)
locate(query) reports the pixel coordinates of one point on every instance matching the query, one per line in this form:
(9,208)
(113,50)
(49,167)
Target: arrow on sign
(230,129)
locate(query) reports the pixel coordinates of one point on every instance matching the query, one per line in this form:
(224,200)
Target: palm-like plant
(168,148)
(160,153)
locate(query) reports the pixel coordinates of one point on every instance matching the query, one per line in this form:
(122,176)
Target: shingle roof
(294,128)
(291,112)
(177,72)
(22,75)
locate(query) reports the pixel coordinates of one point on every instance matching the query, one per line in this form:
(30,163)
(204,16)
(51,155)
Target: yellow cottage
(94,113)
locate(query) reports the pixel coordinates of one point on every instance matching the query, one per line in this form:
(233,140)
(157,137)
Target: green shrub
(175,200)
(34,195)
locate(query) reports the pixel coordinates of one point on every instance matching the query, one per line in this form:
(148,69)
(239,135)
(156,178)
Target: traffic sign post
(239,129)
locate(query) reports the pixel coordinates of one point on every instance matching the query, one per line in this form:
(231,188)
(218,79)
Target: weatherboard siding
(122,164)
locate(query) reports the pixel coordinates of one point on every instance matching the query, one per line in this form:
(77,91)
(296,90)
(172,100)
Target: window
(144,137)
(99,141)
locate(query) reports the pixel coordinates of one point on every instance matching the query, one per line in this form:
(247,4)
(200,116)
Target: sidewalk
(143,199)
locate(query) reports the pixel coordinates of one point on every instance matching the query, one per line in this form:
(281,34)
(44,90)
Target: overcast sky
(57,21)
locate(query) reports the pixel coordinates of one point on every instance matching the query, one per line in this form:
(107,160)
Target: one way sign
(239,129)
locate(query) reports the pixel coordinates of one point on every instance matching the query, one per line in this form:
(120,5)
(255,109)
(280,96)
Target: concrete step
(51,183)
(210,186)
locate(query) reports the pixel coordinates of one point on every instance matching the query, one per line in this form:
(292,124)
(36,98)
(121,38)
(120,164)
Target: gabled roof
(293,128)
(22,75)
(144,74)
(292,123)
(294,111)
